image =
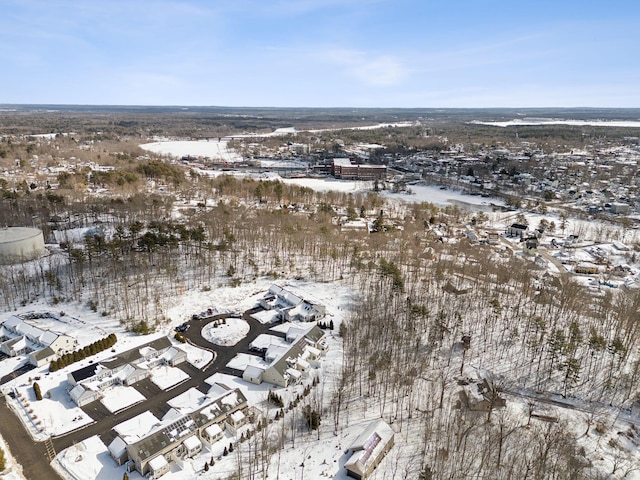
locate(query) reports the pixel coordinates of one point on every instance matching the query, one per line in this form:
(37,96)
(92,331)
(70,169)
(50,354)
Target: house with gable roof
(180,436)
(368,449)
(17,337)
(292,307)
(86,384)
(289,364)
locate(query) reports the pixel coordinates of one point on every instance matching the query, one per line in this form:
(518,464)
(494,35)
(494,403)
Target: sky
(321,53)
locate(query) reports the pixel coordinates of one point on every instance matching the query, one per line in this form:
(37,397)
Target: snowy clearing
(550,121)
(226,334)
(196,356)
(89,459)
(215,149)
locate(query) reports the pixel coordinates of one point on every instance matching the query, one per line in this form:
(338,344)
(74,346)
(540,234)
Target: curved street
(32,455)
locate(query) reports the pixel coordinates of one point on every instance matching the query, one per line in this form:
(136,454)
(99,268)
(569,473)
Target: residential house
(288,364)
(481,396)
(182,436)
(292,307)
(20,338)
(128,368)
(517,230)
(368,449)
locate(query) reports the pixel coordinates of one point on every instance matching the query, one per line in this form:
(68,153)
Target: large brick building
(343,168)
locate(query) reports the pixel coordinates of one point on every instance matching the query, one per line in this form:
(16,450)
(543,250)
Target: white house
(368,449)
(128,368)
(19,338)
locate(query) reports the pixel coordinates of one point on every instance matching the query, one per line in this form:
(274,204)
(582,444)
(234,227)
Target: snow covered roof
(118,447)
(213,430)
(237,417)
(253,371)
(192,443)
(77,392)
(374,441)
(158,463)
(137,427)
(42,354)
(172,353)
(12,322)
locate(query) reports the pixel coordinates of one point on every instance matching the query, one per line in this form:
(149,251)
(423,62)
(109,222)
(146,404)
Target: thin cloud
(374,70)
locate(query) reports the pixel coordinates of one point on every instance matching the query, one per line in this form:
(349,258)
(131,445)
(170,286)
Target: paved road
(32,455)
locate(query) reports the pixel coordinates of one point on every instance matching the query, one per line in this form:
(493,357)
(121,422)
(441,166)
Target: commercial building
(344,169)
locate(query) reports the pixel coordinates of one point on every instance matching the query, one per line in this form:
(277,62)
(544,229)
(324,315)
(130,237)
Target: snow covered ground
(551,121)
(54,415)
(196,356)
(90,460)
(419,193)
(222,300)
(226,334)
(214,149)
(13,470)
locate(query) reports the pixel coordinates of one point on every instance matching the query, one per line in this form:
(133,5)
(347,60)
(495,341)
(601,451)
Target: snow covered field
(551,121)
(419,193)
(226,334)
(214,149)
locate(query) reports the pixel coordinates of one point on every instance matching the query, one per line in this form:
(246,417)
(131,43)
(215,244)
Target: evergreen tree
(36,390)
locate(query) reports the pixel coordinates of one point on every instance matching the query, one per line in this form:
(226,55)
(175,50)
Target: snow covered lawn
(89,459)
(13,470)
(166,377)
(50,416)
(196,356)
(226,334)
(118,398)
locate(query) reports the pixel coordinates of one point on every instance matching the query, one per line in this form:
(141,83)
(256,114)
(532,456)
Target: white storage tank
(19,244)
